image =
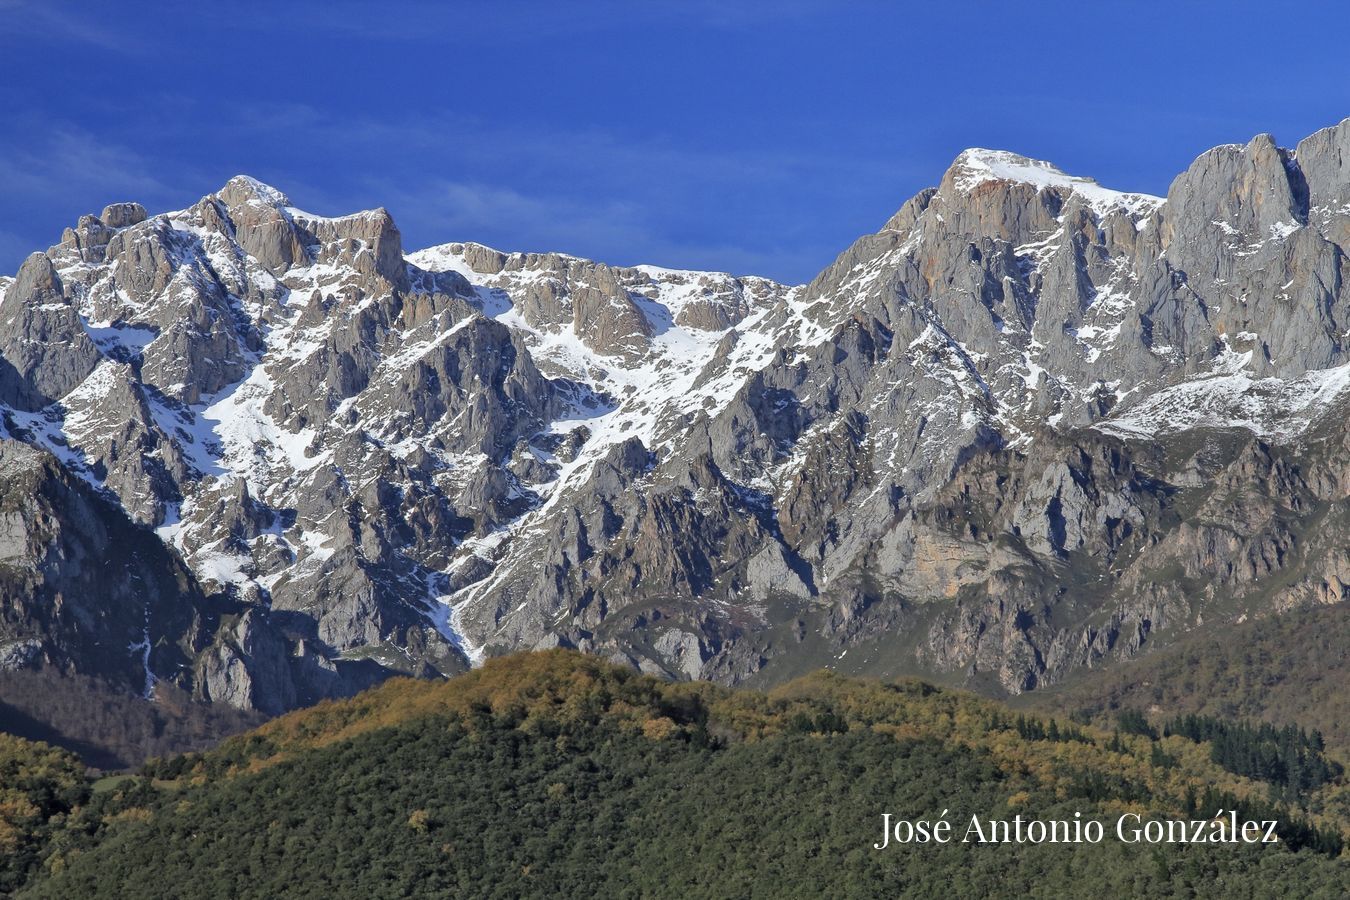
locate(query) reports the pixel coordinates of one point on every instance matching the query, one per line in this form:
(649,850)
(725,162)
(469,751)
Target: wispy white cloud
(69,161)
(614,231)
(57,22)
(471,141)
(506,22)
(616,196)
(65,172)
(623,196)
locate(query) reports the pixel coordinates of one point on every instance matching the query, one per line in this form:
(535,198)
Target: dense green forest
(1290,759)
(40,786)
(555,774)
(1288,669)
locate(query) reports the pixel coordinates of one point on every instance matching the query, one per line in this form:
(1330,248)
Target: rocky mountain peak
(984,441)
(36,282)
(242,190)
(976,165)
(975,169)
(1324,159)
(122,215)
(1253,188)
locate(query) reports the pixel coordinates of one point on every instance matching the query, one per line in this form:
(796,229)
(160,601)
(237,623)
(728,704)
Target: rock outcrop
(1030,425)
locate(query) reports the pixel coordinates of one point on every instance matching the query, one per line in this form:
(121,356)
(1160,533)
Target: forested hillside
(1287,669)
(556,774)
(109,728)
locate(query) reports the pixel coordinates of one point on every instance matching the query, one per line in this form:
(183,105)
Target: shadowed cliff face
(1030,425)
(85,590)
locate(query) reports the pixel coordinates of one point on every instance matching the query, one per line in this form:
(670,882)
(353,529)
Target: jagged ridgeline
(1029,427)
(556,774)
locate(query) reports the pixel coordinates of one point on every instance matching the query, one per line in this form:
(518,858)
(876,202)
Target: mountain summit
(1031,425)
(976,167)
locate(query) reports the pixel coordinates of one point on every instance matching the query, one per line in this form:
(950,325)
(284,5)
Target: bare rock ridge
(1030,425)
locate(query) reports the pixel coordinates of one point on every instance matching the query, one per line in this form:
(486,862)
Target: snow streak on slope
(356,430)
(1273,408)
(683,370)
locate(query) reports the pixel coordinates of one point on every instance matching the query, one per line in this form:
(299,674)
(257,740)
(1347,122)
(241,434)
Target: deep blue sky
(755,137)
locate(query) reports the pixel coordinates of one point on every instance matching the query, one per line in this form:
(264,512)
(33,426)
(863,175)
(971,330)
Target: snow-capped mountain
(1027,425)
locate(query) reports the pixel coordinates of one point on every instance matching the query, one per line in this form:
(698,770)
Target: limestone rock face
(44,351)
(1030,425)
(122,215)
(246,667)
(82,588)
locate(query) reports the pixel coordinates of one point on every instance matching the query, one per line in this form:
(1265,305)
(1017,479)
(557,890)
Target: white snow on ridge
(644,395)
(977,166)
(651,387)
(297,213)
(264,192)
(1269,407)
